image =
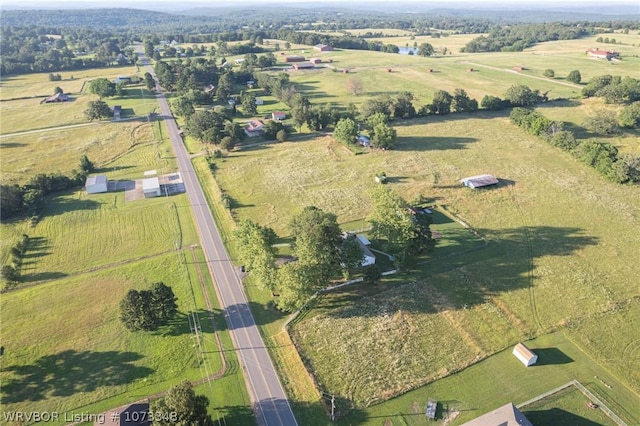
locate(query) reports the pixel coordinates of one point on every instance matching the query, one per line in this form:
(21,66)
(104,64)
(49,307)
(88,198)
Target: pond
(406,50)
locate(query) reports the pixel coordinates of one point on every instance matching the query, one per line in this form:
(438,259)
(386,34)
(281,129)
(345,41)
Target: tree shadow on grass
(187,323)
(61,205)
(70,372)
(508,261)
(431,143)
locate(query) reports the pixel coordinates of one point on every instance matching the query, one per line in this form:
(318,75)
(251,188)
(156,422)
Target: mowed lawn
(501,379)
(98,230)
(559,248)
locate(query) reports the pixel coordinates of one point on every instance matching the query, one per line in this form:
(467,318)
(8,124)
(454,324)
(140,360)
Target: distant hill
(234,17)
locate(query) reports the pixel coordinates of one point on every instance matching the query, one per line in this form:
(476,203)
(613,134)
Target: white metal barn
(96,184)
(151,187)
(525,355)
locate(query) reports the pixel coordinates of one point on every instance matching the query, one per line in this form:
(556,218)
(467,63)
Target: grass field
(568,406)
(479,303)
(38,84)
(79,353)
(499,380)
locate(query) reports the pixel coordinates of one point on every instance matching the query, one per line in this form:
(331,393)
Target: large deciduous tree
(345,131)
(441,103)
(404,233)
(97,110)
(425,49)
(462,102)
(317,244)
(521,95)
(102,87)
(181,407)
(146,310)
(256,252)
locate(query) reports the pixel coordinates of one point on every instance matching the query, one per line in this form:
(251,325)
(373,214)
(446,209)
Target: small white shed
(96,184)
(525,355)
(151,187)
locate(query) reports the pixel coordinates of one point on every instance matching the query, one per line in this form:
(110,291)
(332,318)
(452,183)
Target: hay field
(60,150)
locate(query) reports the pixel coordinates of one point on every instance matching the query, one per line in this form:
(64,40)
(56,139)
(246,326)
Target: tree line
(602,156)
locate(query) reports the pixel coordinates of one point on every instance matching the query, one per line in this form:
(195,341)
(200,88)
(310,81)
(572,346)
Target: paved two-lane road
(270,401)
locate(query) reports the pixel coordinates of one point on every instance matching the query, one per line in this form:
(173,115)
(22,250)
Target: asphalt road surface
(270,401)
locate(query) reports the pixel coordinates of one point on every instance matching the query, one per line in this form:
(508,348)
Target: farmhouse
(151,187)
(96,184)
(369,258)
(525,355)
(303,65)
(294,59)
(507,415)
(278,115)
(122,79)
(117,110)
(603,54)
(479,181)
(315,60)
(58,97)
(254,128)
(323,47)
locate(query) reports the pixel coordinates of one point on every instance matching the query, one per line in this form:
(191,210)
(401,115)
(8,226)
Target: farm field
(499,380)
(38,84)
(453,42)
(20,97)
(484,301)
(92,357)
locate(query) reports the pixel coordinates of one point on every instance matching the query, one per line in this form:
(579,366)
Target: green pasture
(29,114)
(411,73)
(38,84)
(547,262)
(501,379)
(18,115)
(79,354)
(131,146)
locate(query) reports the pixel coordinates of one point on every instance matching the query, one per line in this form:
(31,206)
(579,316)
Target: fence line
(604,408)
(585,391)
